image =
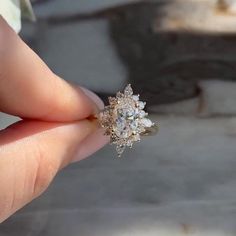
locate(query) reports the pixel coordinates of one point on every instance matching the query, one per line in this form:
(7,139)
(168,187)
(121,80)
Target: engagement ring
(125,120)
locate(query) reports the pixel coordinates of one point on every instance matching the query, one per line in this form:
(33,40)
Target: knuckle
(45,171)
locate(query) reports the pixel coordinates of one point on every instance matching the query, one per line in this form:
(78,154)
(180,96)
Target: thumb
(31,153)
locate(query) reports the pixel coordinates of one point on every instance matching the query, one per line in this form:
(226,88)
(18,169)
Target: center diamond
(125,121)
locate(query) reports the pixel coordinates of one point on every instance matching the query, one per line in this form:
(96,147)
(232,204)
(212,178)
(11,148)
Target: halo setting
(124,119)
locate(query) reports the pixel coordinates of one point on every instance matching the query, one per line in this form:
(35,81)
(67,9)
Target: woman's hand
(54,131)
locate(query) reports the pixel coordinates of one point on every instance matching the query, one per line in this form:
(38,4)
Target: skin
(55,130)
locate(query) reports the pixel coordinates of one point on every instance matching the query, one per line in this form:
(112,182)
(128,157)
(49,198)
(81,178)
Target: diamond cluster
(124,119)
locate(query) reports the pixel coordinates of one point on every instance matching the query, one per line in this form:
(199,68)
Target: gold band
(150,131)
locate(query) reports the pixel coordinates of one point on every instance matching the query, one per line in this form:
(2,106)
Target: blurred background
(180,56)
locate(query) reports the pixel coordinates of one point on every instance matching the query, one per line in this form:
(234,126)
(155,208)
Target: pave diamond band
(124,120)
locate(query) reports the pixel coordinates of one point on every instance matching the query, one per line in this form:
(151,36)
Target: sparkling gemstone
(120,149)
(128,90)
(146,122)
(142,114)
(141,105)
(112,100)
(126,121)
(135,97)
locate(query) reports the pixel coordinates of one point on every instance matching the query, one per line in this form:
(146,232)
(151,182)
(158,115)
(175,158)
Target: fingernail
(91,144)
(94,97)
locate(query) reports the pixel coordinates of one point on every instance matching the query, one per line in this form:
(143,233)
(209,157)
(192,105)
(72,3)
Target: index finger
(29,89)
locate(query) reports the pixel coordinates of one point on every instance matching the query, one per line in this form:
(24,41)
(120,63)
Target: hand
(54,130)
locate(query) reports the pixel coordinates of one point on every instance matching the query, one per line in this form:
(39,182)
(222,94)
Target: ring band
(151,131)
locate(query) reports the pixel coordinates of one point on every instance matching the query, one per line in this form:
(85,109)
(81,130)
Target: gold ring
(150,131)
(125,120)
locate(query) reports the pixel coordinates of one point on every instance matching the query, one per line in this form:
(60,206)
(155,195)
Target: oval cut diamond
(125,121)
